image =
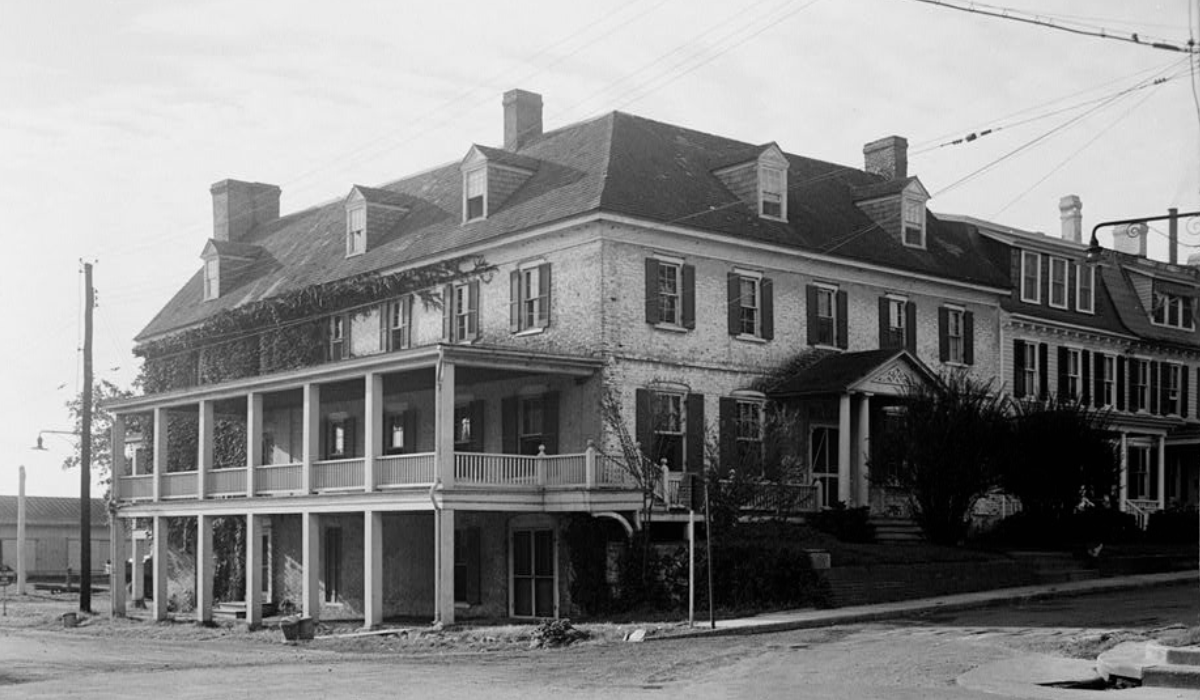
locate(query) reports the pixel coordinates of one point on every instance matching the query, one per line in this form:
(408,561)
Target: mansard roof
(618,164)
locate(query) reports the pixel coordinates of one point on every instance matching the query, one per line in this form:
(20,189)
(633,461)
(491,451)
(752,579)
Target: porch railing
(394,471)
(564,470)
(227,482)
(496,470)
(271,479)
(1141,508)
(137,487)
(337,474)
(179,485)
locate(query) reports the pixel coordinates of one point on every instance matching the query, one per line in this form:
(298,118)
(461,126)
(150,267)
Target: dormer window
(772,192)
(913,216)
(356,231)
(212,279)
(475,194)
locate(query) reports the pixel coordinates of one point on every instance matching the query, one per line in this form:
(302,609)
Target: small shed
(52,535)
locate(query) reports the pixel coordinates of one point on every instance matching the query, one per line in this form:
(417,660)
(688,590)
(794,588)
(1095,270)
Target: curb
(809,619)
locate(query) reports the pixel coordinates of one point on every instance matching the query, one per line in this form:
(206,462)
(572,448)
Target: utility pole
(85,452)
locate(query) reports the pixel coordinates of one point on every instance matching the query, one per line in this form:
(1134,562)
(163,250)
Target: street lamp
(85,519)
(1139,226)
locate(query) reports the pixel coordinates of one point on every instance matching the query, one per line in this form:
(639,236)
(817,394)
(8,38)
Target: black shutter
(544,284)
(943,333)
(550,422)
(476,413)
(653,309)
(1063,354)
(810,292)
(733,310)
(1152,402)
(695,433)
(842,321)
(474,324)
(1183,391)
(514,301)
(448,314)
(767,291)
(508,426)
(968,337)
(910,326)
(884,324)
(641,430)
(1120,383)
(727,424)
(689,296)
(1160,392)
(351,439)
(1044,370)
(1019,388)
(1085,376)
(1098,379)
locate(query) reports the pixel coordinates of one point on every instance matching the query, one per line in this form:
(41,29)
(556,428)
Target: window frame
(1031,260)
(463,317)
(897,321)
(830,292)
(1139,385)
(356,238)
(676,318)
(1055,264)
(532,312)
(1108,382)
(1172,388)
(338,346)
(673,435)
(212,279)
(401,306)
(477,175)
(956,352)
(462,428)
(912,218)
(1032,369)
(1082,272)
(772,186)
(1182,306)
(755,308)
(1074,372)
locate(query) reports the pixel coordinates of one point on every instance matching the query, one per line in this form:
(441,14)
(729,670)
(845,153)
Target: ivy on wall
(284,332)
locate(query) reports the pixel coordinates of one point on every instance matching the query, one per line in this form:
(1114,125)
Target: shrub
(556,633)
(846,524)
(1058,531)
(1173,526)
(751,575)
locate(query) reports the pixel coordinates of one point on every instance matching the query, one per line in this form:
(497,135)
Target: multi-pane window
(1072,373)
(667,416)
(464,313)
(476,191)
(531,425)
(356,231)
(897,323)
(395,434)
(1140,463)
(823,460)
(1139,389)
(1171,388)
(462,427)
(954,335)
(826,316)
(1031,373)
(1108,382)
(669,288)
(397,322)
(749,434)
(750,303)
(529,297)
(771,192)
(914,222)
(212,284)
(1174,310)
(337,337)
(339,438)
(1031,277)
(1085,288)
(1058,283)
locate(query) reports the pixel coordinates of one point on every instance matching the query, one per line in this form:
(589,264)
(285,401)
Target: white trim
(1091,271)
(1066,282)
(466,175)
(1037,298)
(669,259)
(743,272)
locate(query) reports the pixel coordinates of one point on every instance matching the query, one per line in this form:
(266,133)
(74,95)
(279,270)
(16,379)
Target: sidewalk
(804,619)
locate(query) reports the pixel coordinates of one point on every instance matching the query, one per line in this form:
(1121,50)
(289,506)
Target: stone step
(1171,676)
(1183,656)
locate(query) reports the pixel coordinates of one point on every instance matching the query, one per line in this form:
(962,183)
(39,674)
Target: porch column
(372,428)
(138,570)
(443,558)
(204,447)
(116,557)
(844,477)
(1123,486)
(204,569)
(372,569)
(1162,472)
(864,439)
(253,578)
(160,565)
(312,433)
(160,450)
(310,525)
(254,427)
(117,453)
(444,426)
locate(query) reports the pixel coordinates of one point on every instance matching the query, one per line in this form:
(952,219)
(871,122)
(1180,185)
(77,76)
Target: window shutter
(514,301)
(689,296)
(1043,369)
(944,333)
(810,293)
(471,554)
(1072,278)
(727,424)
(733,309)
(766,292)
(550,422)
(1154,403)
(695,433)
(410,430)
(406,336)
(1019,388)
(448,314)
(473,322)
(1085,375)
(1183,391)
(1063,353)
(508,425)
(968,337)
(326,449)
(1158,371)
(1044,264)
(842,324)
(653,309)
(884,324)
(641,429)
(910,326)
(1098,379)
(476,413)
(351,439)
(544,285)
(1120,383)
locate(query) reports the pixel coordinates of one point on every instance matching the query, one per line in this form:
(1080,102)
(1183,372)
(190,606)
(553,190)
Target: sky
(116,117)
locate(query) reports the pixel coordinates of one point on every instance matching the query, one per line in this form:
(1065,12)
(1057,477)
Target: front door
(823,456)
(533,573)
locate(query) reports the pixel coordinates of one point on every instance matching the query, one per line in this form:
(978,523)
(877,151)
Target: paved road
(923,658)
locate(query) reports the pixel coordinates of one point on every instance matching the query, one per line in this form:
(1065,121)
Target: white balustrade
(139,487)
(406,470)
(278,478)
(177,485)
(337,474)
(565,470)
(229,481)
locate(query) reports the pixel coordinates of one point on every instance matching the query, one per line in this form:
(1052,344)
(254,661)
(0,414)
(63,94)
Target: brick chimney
(1070,209)
(887,157)
(522,118)
(240,206)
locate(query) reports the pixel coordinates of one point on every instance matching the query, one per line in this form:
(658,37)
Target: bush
(752,575)
(556,633)
(1071,531)
(846,524)
(1173,526)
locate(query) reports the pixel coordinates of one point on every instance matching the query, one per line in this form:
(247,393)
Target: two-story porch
(426,481)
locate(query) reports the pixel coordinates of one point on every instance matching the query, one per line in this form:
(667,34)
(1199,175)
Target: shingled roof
(50,510)
(617,163)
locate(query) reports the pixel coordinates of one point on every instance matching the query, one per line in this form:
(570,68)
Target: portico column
(160,565)
(372,429)
(1123,486)
(254,428)
(444,566)
(311,561)
(372,569)
(253,578)
(117,454)
(864,439)
(312,433)
(116,558)
(844,477)
(204,447)
(204,569)
(138,570)
(1162,472)
(160,450)
(444,427)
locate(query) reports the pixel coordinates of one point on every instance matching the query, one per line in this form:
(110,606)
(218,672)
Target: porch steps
(236,610)
(896,530)
(1055,567)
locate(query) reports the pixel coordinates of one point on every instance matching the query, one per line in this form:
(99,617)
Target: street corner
(1031,676)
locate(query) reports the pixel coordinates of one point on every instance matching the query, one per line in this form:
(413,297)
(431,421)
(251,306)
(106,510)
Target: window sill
(530,331)
(1037,301)
(747,338)
(671,327)
(955,363)
(822,346)
(1060,307)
